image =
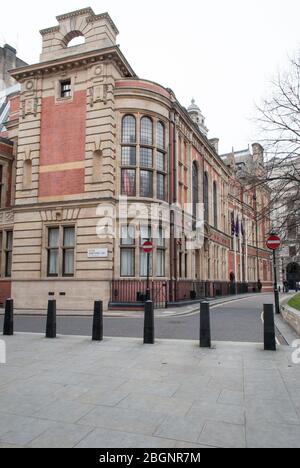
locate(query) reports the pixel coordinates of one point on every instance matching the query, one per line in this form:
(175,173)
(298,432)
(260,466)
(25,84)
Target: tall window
(145,236)
(8,253)
(161,254)
(61,251)
(206,197)
(127,251)
(146,158)
(128,173)
(195,189)
(215,195)
(68,251)
(146,131)
(161,161)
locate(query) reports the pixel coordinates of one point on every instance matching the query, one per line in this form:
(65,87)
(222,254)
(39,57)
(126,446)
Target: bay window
(143,159)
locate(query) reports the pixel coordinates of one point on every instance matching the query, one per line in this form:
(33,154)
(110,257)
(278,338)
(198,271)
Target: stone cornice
(65,63)
(90,19)
(53,29)
(106,16)
(72,14)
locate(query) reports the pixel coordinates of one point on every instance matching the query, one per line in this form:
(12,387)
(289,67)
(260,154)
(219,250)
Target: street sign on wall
(98,253)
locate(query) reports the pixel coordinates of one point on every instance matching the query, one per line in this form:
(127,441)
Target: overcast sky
(221,52)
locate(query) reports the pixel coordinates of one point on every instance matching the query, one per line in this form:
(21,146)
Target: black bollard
(205,334)
(8,326)
(98,321)
(149,323)
(269,328)
(51,320)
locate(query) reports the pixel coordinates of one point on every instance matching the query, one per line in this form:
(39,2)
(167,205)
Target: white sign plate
(98,253)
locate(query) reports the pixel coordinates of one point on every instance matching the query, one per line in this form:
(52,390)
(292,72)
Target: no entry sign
(148,247)
(274,242)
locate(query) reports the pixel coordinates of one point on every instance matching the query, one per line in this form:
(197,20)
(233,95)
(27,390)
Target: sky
(222,53)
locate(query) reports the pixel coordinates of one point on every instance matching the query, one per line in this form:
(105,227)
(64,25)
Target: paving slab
(71,392)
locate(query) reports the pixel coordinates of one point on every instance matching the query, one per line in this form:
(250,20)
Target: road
(235,321)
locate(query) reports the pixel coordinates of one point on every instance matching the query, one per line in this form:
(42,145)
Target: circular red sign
(147,247)
(274,242)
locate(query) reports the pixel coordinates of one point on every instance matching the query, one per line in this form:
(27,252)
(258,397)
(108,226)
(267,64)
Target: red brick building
(84,131)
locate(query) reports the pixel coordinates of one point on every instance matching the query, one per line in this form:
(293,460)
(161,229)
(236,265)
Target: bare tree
(279,121)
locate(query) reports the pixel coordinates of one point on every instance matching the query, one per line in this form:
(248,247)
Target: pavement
(71,392)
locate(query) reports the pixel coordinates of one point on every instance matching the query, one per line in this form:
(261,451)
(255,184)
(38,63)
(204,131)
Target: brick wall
(63,134)
(5,291)
(67,182)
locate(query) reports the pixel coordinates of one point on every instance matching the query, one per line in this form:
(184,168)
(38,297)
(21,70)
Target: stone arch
(68,38)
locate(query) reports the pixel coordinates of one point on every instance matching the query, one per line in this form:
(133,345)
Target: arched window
(195,189)
(161,161)
(160,135)
(215,195)
(128,173)
(97,165)
(146,131)
(129,129)
(27,175)
(206,197)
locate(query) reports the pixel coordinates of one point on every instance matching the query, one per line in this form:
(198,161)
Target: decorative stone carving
(98,93)
(60,214)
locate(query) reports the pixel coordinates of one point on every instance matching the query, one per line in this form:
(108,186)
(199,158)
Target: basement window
(65,89)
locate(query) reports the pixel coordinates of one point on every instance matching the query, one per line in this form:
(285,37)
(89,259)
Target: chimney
(7,62)
(215,143)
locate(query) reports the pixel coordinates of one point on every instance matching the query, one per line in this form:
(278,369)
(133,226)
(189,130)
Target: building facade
(285,216)
(85,135)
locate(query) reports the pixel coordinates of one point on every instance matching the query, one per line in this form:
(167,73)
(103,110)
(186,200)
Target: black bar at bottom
(269,328)
(149,323)
(205,333)
(8,326)
(98,321)
(51,320)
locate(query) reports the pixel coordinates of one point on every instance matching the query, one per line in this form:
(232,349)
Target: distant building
(285,214)
(8,85)
(252,202)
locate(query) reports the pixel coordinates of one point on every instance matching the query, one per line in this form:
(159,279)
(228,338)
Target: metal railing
(164,292)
